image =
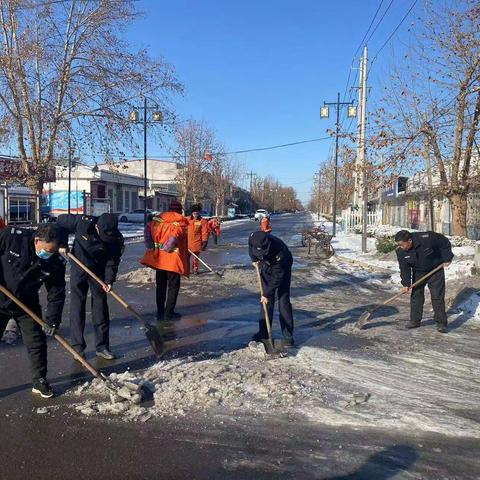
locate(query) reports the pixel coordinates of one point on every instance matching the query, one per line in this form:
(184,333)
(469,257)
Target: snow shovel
(267,342)
(366,315)
(205,265)
(108,382)
(152,334)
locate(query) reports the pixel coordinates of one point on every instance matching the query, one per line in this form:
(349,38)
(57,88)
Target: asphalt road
(62,444)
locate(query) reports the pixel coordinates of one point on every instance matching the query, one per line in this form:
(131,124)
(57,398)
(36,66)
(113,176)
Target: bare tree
(192,141)
(433,106)
(223,170)
(66,72)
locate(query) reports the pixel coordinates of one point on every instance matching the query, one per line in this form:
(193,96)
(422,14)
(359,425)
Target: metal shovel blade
(363,319)
(274,348)
(155,339)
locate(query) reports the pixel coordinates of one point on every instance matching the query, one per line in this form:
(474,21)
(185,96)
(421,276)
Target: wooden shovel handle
(418,282)
(57,337)
(114,294)
(265,308)
(201,261)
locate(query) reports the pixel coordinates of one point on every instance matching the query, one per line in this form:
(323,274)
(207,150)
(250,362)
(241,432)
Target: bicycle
(322,241)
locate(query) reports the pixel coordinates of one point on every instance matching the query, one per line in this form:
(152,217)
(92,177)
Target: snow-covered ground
(349,245)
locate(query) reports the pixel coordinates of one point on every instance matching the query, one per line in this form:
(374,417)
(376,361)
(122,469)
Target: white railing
(352,221)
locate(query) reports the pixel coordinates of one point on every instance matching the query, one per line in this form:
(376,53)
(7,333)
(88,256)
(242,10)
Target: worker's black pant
(215,237)
(33,338)
(80,282)
(436,285)
(168,286)
(284,308)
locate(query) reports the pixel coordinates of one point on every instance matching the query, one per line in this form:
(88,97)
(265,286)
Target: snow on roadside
(349,245)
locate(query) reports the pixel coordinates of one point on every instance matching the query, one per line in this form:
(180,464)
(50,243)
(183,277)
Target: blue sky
(258,71)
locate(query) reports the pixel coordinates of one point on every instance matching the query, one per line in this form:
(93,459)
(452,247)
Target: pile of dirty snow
(244,379)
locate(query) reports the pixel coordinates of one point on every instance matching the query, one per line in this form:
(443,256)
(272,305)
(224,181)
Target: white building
(161,178)
(94,191)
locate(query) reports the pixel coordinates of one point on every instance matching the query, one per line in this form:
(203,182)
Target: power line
(368,29)
(380,21)
(393,33)
(279,146)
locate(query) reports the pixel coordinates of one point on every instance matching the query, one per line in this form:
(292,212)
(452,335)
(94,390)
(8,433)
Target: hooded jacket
(100,255)
(166,243)
(275,260)
(23,273)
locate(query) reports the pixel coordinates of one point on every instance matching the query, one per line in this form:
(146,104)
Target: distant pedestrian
(214,229)
(197,234)
(265,224)
(419,253)
(166,242)
(276,263)
(28,260)
(99,245)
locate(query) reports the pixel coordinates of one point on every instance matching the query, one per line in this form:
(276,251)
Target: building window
(119,199)
(100,191)
(127,201)
(134,196)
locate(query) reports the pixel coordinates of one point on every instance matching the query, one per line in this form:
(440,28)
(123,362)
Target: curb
(367,266)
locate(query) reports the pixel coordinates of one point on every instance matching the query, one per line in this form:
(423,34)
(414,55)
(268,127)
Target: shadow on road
(383,465)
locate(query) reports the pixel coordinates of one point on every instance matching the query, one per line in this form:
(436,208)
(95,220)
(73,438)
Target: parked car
(135,216)
(260,213)
(205,214)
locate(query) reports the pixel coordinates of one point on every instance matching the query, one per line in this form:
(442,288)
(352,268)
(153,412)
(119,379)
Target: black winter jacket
(428,251)
(102,258)
(276,266)
(23,273)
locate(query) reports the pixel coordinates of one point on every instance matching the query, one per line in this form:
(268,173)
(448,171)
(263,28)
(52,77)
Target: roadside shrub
(385,244)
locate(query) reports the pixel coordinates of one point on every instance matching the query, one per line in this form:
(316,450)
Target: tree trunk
(458,202)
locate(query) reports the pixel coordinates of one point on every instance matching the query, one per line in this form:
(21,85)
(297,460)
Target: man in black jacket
(419,253)
(276,271)
(99,245)
(28,260)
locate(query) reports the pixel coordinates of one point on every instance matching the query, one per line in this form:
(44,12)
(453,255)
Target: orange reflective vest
(160,231)
(214,226)
(197,233)
(265,225)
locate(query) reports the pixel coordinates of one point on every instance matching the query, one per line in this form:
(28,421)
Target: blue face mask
(44,255)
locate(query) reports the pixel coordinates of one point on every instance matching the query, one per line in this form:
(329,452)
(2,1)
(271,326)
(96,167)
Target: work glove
(204,246)
(170,245)
(49,330)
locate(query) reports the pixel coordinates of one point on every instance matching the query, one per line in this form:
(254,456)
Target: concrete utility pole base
(477,258)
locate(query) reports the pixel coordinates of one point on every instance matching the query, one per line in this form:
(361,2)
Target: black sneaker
(106,354)
(442,329)
(172,316)
(410,325)
(42,388)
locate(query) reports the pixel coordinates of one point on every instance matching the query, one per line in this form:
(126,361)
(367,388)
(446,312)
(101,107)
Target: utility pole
(69,174)
(324,114)
(317,178)
(361,141)
(429,178)
(251,175)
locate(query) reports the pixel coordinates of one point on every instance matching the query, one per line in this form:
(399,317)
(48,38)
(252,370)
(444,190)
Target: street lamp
(324,113)
(157,117)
